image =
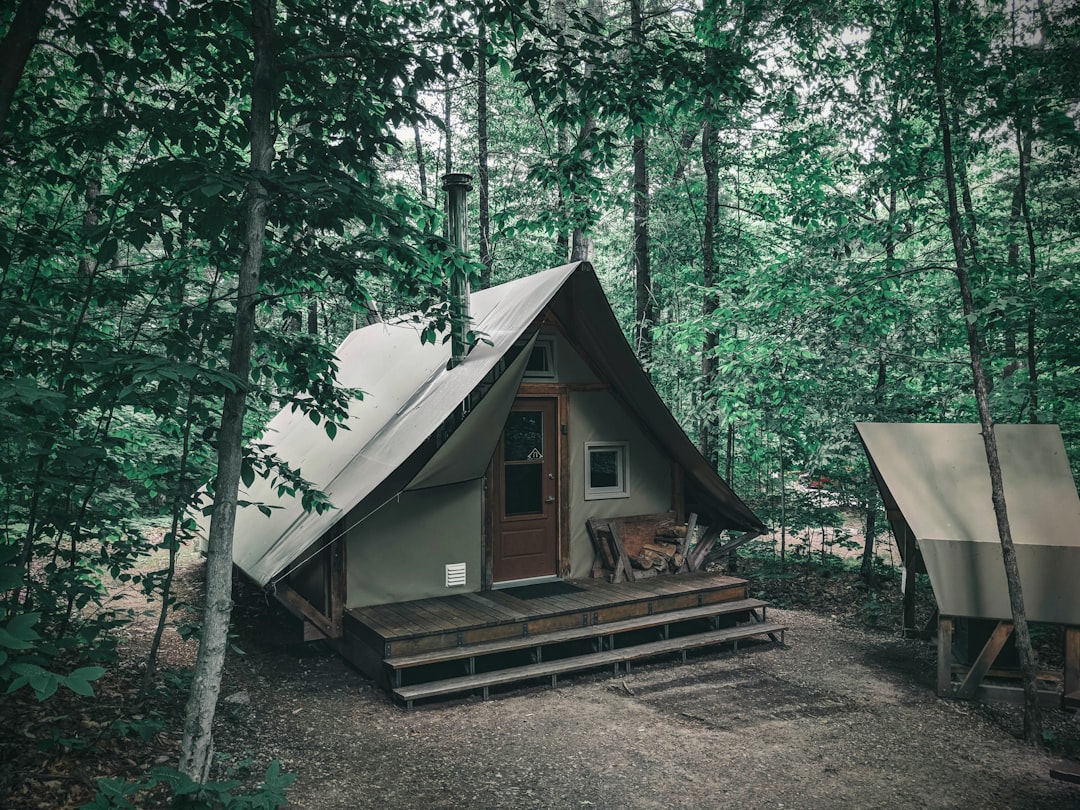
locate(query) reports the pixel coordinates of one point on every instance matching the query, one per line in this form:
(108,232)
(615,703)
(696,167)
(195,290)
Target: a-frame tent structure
(935,483)
(467,479)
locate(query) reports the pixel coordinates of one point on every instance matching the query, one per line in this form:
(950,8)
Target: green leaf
(10,578)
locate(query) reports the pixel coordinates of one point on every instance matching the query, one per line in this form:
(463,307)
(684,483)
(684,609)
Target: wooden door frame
(557,392)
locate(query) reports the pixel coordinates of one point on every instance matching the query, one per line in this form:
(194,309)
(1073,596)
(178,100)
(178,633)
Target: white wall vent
(455,575)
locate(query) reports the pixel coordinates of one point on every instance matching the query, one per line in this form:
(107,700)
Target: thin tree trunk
(420,167)
(1032,714)
(179,506)
(196,749)
(783,501)
(645,309)
(1023,149)
(562,138)
(866,568)
(581,244)
(448,98)
(484,218)
(707,423)
(15,50)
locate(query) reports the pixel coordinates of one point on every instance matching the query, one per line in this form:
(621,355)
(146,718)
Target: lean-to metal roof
(410,393)
(937,476)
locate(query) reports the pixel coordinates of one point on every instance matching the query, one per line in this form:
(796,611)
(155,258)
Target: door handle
(550,499)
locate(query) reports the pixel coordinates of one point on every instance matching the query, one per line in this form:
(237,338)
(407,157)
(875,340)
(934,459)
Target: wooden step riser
(613,658)
(599,643)
(566,621)
(734,610)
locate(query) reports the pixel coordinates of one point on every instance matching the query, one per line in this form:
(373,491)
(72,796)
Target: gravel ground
(838,718)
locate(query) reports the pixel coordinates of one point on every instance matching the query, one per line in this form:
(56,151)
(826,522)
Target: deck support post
(944,656)
(1072,664)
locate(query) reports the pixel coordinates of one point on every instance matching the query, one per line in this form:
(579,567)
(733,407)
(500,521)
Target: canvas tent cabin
(453,483)
(935,483)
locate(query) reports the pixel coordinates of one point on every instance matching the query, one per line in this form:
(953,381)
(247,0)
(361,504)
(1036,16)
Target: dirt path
(840,718)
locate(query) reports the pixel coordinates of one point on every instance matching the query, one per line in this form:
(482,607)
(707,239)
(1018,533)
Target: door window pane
(523,485)
(524,436)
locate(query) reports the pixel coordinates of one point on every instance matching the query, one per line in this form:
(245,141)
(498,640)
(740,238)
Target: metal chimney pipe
(457,185)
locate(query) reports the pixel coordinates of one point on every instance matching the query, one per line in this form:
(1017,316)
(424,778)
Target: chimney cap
(456,179)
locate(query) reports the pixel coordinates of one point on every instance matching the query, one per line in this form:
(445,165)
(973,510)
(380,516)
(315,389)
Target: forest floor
(843,716)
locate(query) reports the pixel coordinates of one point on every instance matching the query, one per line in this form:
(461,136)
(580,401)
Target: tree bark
(866,568)
(707,424)
(581,244)
(15,49)
(1032,715)
(645,308)
(1023,149)
(197,746)
(448,98)
(420,167)
(484,219)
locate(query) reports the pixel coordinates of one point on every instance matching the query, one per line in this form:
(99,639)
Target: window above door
(541,364)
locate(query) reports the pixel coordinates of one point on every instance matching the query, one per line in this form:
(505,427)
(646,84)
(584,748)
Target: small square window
(541,364)
(606,467)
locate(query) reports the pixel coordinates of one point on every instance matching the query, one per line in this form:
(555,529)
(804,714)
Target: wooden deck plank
(371,619)
(466,613)
(391,621)
(422,618)
(494,608)
(519,606)
(608,601)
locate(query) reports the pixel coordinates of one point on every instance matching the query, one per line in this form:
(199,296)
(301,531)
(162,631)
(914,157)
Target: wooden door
(525,493)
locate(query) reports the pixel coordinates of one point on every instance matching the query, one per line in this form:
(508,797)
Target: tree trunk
(448,98)
(580,242)
(420,167)
(1023,149)
(196,749)
(707,423)
(15,50)
(645,308)
(484,219)
(866,569)
(1032,715)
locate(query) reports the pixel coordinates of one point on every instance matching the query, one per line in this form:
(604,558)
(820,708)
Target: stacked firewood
(662,555)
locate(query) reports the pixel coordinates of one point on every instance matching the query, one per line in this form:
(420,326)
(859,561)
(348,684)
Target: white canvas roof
(937,476)
(409,393)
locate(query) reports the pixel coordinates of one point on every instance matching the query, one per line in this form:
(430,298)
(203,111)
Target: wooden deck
(438,646)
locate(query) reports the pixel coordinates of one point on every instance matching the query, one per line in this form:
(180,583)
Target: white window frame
(622,488)
(546,344)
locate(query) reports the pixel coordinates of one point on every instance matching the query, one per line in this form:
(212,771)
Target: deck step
(1067,770)
(615,657)
(1072,700)
(574,634)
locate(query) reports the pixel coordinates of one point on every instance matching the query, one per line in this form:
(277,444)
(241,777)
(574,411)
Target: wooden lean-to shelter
(935,482)
(458,555)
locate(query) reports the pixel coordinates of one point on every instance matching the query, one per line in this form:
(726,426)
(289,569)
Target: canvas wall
(401,551)
(597,416)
